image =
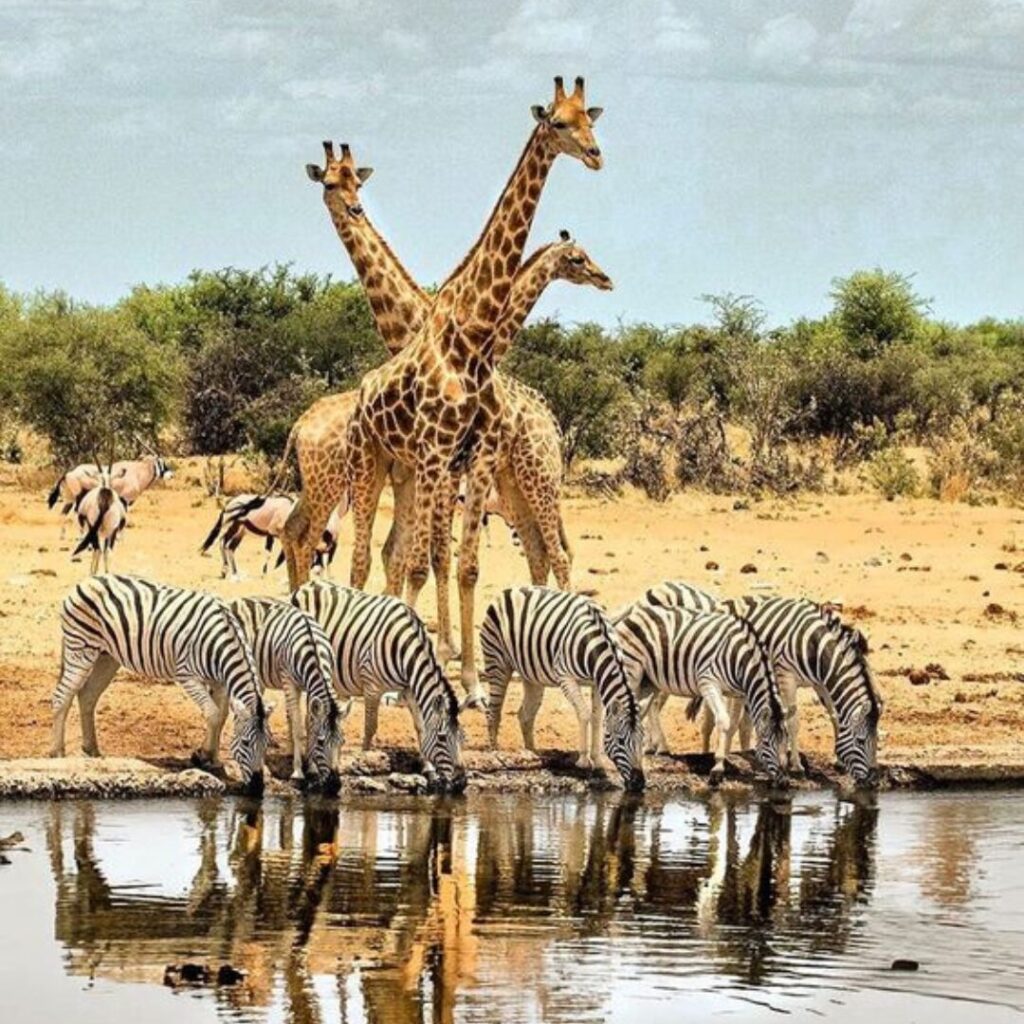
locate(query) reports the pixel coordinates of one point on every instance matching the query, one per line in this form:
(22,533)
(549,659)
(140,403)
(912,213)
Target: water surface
(517,908)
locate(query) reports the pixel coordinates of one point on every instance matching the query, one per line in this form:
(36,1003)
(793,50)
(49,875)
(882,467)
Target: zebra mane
(451,701)
(605,629)
(774,694)
(238,631)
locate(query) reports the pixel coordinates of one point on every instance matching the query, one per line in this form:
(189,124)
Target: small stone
(873,563)
(703,547)
(1002,566)
(936,671)
(905,965)
(906,557)
(711,566)
(739,505)
(918,677)
(228,975)
(411,783)
(959,697)
(748,568)
(821,557)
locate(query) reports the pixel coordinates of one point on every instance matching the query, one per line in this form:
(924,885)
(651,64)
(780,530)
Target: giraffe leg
(522,522)
(396,546)
(367,478)
(441,563)
(544,502)
(478,486)
(418,560)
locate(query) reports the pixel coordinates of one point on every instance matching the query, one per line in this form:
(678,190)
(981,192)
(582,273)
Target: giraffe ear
(540,114)
(594,113)
(314,173)
(363,173)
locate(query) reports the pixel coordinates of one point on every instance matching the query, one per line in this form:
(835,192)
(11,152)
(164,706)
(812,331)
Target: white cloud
(43,58)
(785,45)
(408,43)
(547,28)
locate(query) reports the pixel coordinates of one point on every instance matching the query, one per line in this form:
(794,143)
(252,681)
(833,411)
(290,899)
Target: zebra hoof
(200,759)
(716,777)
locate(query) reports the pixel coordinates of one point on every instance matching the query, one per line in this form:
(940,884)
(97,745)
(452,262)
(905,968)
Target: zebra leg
(496,678)
(739,712)
(596,725)
(98,680)
(713,696)
(579,703)
(533,694)
(268,547)
(208,754)
(656,742)
(707,727)
(293,711)
(788,690)
(72,679)
(371,704)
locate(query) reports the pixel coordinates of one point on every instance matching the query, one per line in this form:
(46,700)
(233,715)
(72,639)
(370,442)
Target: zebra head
(323,715)
(769,715)
(857,706)
(442,740)
(249,744)
(251,735)
(624,743)
(623,732)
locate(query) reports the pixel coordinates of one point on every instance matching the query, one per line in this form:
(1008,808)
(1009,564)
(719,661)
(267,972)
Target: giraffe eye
(576,260)
(558,125)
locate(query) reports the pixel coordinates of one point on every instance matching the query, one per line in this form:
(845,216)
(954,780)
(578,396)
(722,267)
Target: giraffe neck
(482,282)
(398,303)
(527,287)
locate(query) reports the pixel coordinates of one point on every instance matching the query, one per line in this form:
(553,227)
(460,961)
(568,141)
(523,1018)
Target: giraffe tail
(281,472)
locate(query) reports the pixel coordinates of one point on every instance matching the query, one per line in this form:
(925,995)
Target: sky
(759,147)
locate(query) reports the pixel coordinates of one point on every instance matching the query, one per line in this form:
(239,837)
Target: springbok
(262,514)
(102,515)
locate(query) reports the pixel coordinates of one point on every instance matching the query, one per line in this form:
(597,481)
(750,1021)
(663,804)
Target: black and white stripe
(160,632)
(809,645)
(293,653)
(713,655)
(554,638)
(380,644)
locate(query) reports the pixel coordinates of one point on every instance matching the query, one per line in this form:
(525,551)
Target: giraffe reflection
(398,912)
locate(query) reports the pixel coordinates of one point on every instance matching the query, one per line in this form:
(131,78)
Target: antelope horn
(578,91)
(559,89)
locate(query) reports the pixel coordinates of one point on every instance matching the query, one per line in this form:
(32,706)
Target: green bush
(893,474)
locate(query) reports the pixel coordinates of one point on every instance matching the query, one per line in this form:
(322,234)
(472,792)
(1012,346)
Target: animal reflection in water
(398,910)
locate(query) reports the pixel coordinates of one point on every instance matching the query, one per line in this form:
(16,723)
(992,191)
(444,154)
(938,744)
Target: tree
(874,309)
(87,379)
(578,372)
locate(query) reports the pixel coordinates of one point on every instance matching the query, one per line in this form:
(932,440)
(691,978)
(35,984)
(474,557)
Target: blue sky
(753,146)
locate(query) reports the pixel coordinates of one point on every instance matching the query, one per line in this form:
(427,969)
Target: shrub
(893,474)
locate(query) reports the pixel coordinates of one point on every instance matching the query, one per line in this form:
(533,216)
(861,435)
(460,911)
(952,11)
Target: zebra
(556,638)
(713,654)
(162,632)
(380,644)
(293,653)
(809,645)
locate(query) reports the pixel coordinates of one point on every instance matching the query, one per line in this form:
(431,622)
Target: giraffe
(565,261)
(530,468)
(430,406)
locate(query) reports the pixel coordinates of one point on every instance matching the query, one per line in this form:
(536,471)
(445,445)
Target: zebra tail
(91,541)
(55,493)
(693,706)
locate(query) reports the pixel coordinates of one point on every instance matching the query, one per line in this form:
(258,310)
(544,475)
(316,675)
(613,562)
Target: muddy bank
(396,771)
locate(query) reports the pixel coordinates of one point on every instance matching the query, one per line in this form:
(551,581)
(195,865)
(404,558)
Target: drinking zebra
(809,646)
(555,638)
(293,654)
(160,632)
(380,644)
(710,654)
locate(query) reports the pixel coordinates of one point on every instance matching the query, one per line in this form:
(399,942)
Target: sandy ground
(919,577)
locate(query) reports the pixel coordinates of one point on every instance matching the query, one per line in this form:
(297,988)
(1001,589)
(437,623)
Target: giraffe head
(569,124)
(575,265)
(341,180)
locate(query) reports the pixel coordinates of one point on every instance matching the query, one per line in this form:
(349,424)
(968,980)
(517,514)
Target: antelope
(261,514)
(102,514)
